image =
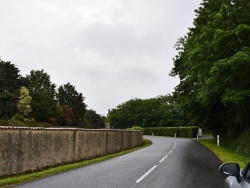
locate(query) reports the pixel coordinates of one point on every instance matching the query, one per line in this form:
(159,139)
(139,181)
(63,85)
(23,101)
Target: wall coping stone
(61,129)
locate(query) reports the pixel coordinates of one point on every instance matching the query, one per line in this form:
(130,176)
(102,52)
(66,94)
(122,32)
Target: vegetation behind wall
(188,132)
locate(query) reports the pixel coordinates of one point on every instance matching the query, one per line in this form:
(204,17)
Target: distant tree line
(155,112)
(35,98)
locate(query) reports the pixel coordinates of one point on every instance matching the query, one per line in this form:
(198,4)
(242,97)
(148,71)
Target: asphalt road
(167,163)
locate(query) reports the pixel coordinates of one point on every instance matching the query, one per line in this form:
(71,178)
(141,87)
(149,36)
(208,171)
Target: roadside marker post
(218,140)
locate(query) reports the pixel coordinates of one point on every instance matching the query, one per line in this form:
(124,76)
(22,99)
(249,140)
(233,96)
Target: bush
(18,117)
(135,128)
(16,123)
(189,132)
(4,122)
(34,123)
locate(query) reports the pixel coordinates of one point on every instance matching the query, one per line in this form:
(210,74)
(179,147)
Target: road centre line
(174,145)
(163,158)
(147,173)
(168,153)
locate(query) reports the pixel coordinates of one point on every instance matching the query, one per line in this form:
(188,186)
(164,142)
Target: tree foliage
(67,116)
(93,120)
(213,64)
(24,104)
(9,88)
(36,96)
(155,112)
(43,92)
(67,95)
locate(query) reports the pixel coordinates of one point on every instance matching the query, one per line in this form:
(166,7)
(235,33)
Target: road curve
(168,163)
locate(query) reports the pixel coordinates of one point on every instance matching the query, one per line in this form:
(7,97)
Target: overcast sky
(110,50)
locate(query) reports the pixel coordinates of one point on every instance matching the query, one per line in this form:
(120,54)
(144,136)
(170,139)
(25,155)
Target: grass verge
(225,155)
(22,178)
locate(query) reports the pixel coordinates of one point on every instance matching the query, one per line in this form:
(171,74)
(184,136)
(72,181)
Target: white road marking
(174,145)
(168,153)
(147,173)
(163,158)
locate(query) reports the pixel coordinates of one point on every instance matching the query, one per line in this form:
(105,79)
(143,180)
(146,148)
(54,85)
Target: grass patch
(22,178)
(226,155)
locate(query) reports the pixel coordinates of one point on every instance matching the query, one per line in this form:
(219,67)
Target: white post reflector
(218,140)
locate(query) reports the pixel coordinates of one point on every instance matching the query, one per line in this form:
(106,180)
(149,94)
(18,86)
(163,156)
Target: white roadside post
(218,140)
(200,132)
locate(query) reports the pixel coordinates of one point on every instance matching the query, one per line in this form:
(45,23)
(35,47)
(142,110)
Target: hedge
(188,132)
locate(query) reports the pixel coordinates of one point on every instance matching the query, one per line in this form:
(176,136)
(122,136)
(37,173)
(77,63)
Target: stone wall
(26,149)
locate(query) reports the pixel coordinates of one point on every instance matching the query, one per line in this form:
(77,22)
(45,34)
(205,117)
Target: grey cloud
(110,50)
(120,39)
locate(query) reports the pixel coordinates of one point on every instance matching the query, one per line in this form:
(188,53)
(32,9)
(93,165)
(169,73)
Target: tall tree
(9,86)
(67,95)
(43,92)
